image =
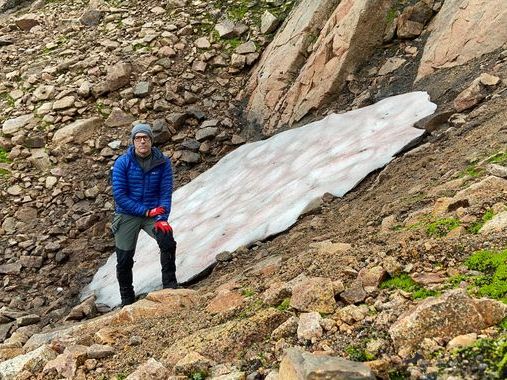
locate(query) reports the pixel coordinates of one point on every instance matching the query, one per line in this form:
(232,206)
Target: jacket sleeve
(166,190)
(120,190)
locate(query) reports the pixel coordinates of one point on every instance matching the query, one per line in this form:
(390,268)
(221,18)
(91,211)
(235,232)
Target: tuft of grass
(284,305)
(471,171)
(493,352)
(247,292)
(391,15)
(499,158)
(8,99)
(493,282)
(475,227)
(200,375)
(358,354)
(404,282)
(442,227)
(4,156)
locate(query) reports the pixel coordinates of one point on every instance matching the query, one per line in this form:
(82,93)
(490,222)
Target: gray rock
(269,22)
(246,48)
(191,145)
(190,157)
(118,118)
(142,89)
(11,126)
(78,132)
(27,320)
(91,17)
(298,364)
(206,133)
(225,29)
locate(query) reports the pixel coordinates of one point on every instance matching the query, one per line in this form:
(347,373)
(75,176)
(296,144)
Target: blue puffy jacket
(135,191)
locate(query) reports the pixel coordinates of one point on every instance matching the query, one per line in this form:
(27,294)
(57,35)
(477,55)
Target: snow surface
(261,188)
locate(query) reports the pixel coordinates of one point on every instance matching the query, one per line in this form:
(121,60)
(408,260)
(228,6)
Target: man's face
(142,144)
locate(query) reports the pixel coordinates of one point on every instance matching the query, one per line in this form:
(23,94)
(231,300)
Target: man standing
(142,190)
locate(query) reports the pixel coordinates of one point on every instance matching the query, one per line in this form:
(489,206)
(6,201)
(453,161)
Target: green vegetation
(398,375)
(8,99)
(493,282)
(442,227)
(4,172)
(499,158)
(476,226)
(471,171)
(358,354)
(284,305)
(391,15)
(493,352)
(252,308)
(3,156)
(404,282)
(247,292)
(102,109)
(200,375)
(238,12)
(233,43)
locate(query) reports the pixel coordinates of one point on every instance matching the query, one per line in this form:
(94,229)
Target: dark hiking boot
(127,295)
(170,285)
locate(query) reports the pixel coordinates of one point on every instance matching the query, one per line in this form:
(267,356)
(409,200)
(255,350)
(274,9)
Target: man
(142,189)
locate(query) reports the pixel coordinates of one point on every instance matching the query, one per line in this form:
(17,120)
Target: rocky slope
(75,75)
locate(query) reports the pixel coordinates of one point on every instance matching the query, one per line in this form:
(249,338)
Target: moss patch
(3,156)
(493,352)
(404,282)
(442,227)
(493,282)
(476,226)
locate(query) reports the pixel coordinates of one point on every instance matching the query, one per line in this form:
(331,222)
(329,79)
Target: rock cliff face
(351,32)
(463,30)
(9,4)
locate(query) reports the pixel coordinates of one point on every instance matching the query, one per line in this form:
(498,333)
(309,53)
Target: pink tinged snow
(261,188)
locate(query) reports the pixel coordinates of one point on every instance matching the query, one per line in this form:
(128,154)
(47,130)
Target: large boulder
(298,365)
(284,57)
(77,132)
(461,31)
(348,38)
(454,313)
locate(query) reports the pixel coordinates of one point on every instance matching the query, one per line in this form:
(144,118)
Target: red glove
(163,227)
(155,211)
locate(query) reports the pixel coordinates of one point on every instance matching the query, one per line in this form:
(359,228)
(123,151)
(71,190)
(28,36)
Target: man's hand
(163,227)
(155,212)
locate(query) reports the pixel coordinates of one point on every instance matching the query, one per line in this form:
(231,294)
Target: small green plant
(476,226)
(424,293)
(102,109)
(238,12)
(284,305)
(442,227)
(404,282)
(121,376)
(4,172)
(471,171)
(358,354)
(493,352)
(498,158)
(247,292)
(493,282)
(391,15)
(200,375)
(4,156)
(8,99)
(233,43)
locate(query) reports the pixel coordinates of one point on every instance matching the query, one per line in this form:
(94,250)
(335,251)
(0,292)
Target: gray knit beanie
(141,128)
